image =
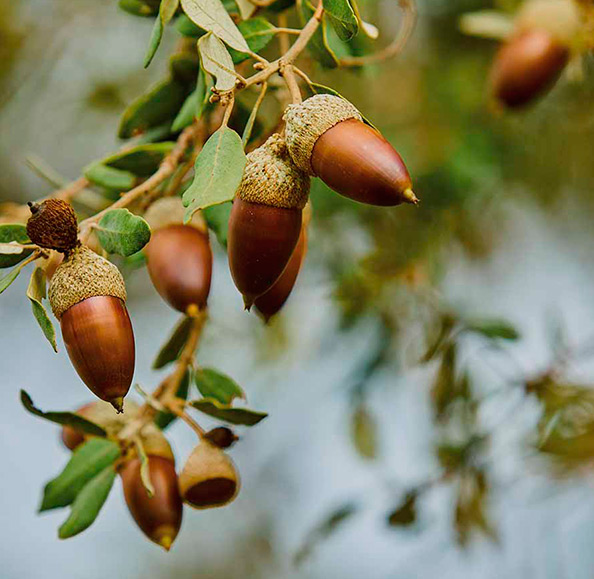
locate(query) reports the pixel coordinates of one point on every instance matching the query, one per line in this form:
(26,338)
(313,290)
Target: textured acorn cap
(53,225)
(170,211)
(306,122)
(560,18)
(82,275)
(209,478)
(271,178)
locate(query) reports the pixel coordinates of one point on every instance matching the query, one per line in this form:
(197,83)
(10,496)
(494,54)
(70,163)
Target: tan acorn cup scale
(179,257)
(327,138)
(87,295)
(265,220)
(534,57)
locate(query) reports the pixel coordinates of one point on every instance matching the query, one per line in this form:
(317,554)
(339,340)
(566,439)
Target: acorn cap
(306,122)
(170,211)
(560,18)
(84,274)
(209,478)
(53,225)
(271,178)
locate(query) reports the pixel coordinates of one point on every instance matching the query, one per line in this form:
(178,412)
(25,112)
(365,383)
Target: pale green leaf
(246,9)
(36,292)
(88,460)
(110,177)
(212,16)
(88,503)
(214,384)
(145,473)
(217,220)
(258,33)
(120,231)
(217,62)
(13,232)
(8,279)
(217,172)
(363,432)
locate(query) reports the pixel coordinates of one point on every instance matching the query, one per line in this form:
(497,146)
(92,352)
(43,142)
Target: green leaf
(63,418)
(493,329)
(242,416)
(193,106)
(137,7)
(184,67)
(342,17)
(187,28)
(213,384)
(258,33)
(36,292)
(246,9)
(88,460)
(217,172)
(122,232)
(152,109)
(164,419)
(217,62)
(171,350)
(217,219)
(8,279)
(13,232)
(212,16)
(110,177)
(88,503)
(145,473)
(364,432)
(142,160)
(318,45)
(167,10)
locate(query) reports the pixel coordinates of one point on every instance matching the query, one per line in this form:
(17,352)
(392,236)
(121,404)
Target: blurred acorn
(221,436)
(265,220)
(326,137)
(159,516)
(531,61)
(209,478)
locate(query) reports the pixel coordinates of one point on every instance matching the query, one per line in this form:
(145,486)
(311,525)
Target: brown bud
(526,67)
(87,295)
(209,478)
(221,436)
(53,225)
(327,137)
(179,261)
(159,517)
(271,302)
(265,219)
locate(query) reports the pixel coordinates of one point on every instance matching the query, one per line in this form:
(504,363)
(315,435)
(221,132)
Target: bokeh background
(504,232)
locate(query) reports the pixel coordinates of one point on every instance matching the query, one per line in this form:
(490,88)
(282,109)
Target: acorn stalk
(265,220)
(327,138)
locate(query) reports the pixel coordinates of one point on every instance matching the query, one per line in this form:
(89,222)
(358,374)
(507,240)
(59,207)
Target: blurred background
(428,381)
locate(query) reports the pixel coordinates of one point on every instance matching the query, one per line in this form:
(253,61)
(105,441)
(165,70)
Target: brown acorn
(326,137)
(179,262)
(265,220)
(159,517)
(53,225)
(221,436)
(271,302)
(87,294)
(209,478)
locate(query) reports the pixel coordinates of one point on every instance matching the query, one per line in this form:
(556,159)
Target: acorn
(327,138)
(159,516)
(221,436)
(532,60)
(87,295)
(209,478)
(53,225)
(265,220)
(271,302)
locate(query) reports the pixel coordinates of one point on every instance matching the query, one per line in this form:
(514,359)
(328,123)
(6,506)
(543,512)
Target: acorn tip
(410,197)
(166,541)
(247,303)
(118,404)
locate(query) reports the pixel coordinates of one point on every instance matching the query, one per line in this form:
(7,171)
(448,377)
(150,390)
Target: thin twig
(291,82)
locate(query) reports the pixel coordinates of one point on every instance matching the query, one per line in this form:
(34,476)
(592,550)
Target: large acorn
(87,295)
(179,259)
(533,58)
(209,478)
(265,220)
(271,302)
(326,137)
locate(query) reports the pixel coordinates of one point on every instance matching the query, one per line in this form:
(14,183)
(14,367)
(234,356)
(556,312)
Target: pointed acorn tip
(192,311)
(166,541)
(164,536)
(410,197)
(247,303)
(118,404)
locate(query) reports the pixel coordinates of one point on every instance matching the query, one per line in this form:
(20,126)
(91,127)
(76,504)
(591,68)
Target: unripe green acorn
(159,517)
(326,137)
(271,302)
(53,225)
(209,478)
(87,294)
(179,262)
(265,220)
